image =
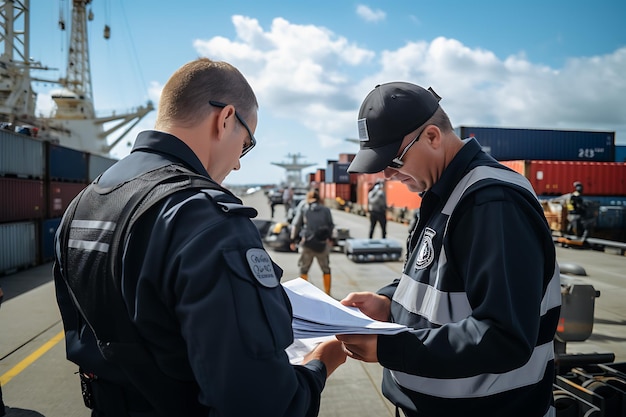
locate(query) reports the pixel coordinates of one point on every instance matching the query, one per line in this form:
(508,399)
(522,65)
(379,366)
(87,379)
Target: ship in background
(46,160)
(73,122)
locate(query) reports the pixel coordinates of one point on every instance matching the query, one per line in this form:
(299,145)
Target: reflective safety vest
(91,238)
(429,300)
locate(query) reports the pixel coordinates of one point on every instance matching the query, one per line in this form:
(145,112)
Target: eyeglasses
(248,145)
(397,162)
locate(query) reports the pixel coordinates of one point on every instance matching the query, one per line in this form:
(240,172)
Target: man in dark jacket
(480,288)
(192,320)
(377,208)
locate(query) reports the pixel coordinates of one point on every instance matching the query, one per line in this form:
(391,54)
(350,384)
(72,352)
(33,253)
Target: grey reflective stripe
(93,224)
(481,385)
(436,306)
(551,412)
(552,297)
(87,245)
(482,173)
(99,225)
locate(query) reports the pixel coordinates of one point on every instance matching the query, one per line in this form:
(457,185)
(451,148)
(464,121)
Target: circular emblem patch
(262,268)
(426,252)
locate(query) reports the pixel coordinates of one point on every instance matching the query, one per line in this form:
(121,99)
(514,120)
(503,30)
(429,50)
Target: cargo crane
(74,123)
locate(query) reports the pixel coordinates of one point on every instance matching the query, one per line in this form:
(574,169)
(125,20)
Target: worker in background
(288,199)
(312,228)
(576,211)
(377,208)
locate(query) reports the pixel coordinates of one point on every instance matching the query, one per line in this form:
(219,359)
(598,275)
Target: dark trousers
(378,217)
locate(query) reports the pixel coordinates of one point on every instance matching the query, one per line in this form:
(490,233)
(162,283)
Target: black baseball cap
(389,113)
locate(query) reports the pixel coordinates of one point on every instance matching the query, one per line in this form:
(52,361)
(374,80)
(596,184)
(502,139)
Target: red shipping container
(320,175)
(346,157)
(364,184)
(343,191)
(21,199)
(558,177)
(399,196)
(60,195)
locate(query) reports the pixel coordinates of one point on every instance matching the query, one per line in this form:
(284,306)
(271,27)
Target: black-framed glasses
(397,162)
(247,146)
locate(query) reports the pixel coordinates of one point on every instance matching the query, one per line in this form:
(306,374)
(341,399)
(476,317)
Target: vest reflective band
(481,385)
(441,307)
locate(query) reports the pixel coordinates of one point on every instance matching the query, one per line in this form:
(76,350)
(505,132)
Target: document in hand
(315,314)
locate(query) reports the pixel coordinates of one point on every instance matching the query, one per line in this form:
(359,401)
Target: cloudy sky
(525,64)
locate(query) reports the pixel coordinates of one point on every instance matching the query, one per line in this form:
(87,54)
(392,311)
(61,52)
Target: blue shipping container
(48,229)
(65,164)
(98,164)
(611,217)
(620,153)
(337,173)
(536,144)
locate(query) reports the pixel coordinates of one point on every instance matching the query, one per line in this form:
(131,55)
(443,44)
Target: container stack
(552,160)
(38,180)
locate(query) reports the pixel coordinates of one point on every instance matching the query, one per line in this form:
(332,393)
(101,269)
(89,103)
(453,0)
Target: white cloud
(317,79)
(369,15)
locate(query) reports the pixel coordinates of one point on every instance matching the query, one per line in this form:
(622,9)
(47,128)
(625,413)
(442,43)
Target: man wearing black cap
(480,287)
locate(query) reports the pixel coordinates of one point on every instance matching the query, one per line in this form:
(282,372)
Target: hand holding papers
(315,314)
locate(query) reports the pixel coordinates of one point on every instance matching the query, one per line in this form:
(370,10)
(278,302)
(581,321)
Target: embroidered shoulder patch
(262,268)
(426,252)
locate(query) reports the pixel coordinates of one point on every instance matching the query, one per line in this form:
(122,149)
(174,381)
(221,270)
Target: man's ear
(223,118)
(432,134)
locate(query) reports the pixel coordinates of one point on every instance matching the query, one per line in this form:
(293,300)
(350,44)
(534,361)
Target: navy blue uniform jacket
(190,288)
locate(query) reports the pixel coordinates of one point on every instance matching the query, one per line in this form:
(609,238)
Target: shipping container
(620,153)
(611,217)
(558,177)
(337,173)
(599,200)
(65,164)
(21,156)
(19,246)
(364,184)
(48,229)
(608,200)
(21,199)
(399,196)
(97,164)
(60,195)
(320,175)
(346,157)
(333,191)
(557,145)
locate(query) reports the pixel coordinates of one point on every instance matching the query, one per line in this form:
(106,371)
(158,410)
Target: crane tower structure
(73,123)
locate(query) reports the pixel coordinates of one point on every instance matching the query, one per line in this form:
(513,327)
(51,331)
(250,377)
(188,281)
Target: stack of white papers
(315,314)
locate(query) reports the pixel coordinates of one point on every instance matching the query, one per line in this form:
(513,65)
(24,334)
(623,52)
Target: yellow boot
(327,283)
(304,277)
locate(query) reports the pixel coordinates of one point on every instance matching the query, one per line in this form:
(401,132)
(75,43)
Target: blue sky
(524,64)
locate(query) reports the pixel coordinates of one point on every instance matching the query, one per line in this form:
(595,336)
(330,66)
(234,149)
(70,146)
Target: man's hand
(372,305)
(330,352)
(363,347)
